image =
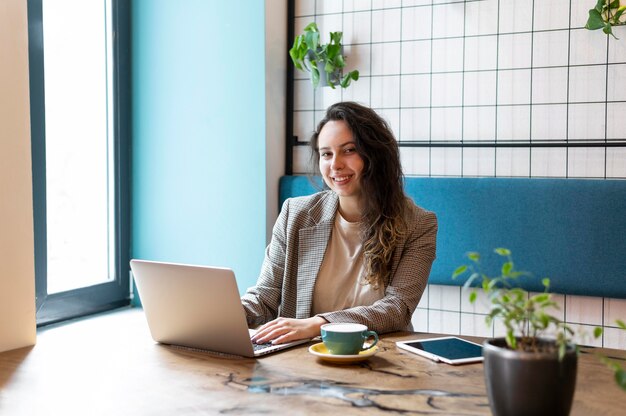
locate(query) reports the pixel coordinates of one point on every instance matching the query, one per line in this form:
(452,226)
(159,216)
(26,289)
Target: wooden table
(109,365)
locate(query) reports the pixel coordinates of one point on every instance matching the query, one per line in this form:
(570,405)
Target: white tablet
(450,350)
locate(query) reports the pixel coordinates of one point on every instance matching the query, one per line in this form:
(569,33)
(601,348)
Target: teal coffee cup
(347,338)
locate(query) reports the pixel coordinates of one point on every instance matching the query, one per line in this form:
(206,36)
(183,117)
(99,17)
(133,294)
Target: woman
(360,251)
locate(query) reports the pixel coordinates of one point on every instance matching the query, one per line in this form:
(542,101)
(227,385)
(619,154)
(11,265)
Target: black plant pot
(527,383)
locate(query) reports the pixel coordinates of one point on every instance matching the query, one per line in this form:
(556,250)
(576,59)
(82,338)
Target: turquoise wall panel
(199,134)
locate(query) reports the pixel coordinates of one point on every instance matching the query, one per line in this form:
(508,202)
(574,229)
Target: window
(79,54)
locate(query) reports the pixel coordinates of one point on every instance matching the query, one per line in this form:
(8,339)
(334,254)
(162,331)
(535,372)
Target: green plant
(618,371)
(605,15)
(308,54)
(527,318)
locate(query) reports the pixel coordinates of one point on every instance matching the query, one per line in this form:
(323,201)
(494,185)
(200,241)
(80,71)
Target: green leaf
(312,40)
(315,75)
(620,378)
(546,283)
(473,256)
(506,268)
(297,43)
(568,329)
(595,20)
(621,323)
(338,61)
(459,271)
(335,37)
(510,340)
(495,312)
(311,27)
(352,75)
(562,350)
(332,51)
(597,331)
(307,51)
(541,298)
(296,62)
(298,52)
(503,251)
(605,15)
(472,297)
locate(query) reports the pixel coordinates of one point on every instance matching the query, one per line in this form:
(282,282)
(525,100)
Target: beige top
(293,259)
(339,284)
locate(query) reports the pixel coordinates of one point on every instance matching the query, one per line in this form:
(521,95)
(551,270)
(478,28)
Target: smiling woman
(360,251)
(341,167)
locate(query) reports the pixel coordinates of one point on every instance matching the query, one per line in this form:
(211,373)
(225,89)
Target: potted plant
(606,14)
(324,62)
(532,369)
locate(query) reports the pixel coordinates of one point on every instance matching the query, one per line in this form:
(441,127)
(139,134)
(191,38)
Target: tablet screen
(451,350)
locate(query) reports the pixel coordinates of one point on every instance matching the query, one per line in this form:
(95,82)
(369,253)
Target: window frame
(56,307)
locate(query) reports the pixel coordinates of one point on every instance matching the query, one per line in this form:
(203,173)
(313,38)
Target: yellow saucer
(320,351)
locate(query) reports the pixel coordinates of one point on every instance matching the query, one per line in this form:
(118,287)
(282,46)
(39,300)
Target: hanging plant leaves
(605,15)
(309,55)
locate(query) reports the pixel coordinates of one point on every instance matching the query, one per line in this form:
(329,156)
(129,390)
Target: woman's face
(340,164)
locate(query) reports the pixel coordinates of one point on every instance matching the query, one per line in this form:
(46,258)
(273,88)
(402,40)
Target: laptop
(196,307)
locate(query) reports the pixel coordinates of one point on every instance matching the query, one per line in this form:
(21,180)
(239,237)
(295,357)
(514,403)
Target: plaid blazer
(295,253)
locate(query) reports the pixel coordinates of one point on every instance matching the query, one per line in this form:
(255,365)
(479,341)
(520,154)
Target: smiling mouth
(341,179)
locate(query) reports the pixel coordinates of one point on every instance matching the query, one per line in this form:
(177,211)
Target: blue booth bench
(570,230)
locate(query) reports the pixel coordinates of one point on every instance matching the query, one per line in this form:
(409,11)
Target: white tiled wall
(486,70)
(446,309)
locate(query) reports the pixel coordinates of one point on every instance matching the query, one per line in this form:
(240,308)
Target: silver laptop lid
(193,306)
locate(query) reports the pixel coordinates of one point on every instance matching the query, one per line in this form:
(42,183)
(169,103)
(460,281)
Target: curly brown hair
(382,180)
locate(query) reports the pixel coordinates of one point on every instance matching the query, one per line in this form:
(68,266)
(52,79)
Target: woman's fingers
(278,331)
(287,337)
(269,331)
(283,330)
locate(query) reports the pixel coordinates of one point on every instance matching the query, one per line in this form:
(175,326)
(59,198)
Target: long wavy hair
(383,220)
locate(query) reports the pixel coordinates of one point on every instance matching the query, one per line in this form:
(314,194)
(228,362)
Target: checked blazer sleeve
(412,261)
(295,253)
(292,259)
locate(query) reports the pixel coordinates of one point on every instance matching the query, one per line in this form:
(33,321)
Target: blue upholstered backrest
(572,231)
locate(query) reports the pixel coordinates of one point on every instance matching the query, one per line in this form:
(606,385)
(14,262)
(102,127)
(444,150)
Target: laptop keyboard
(258,347)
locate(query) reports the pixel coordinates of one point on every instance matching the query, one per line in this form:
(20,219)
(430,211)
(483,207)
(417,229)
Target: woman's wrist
(317,322)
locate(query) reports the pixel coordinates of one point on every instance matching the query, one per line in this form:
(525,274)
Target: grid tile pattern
(468,74)
(513,88)
(446,309)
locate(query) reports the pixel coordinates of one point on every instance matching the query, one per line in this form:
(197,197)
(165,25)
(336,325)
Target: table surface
(109,365)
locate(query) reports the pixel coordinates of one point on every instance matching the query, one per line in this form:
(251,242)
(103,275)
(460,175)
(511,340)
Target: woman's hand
(283,330)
